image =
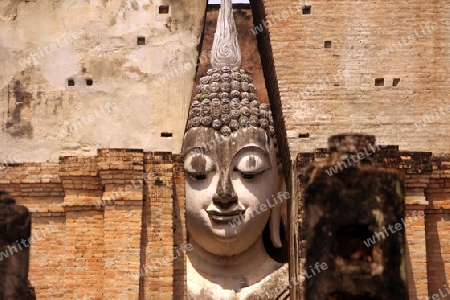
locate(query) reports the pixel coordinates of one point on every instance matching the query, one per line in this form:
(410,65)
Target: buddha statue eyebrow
(252,149)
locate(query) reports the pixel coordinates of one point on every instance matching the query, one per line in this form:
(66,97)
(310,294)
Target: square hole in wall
(164,9)
(166,134)
(395,81)
(89,82)
(379,81)
(306,9)
(70,82)
(327,44)
(140,40)
(303,135)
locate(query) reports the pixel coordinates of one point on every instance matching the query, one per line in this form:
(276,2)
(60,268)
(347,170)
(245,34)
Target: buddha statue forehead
(204,140)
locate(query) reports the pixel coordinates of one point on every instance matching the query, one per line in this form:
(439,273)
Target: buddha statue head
(234,185)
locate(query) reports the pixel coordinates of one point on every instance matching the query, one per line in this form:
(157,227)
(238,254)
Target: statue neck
(253,259)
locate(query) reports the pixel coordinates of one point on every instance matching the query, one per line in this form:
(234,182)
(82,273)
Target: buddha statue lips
(220,215)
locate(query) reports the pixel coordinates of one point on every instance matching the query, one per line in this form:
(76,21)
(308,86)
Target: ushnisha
(226,101)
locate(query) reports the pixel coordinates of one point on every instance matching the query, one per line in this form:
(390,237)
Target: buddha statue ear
(275,212)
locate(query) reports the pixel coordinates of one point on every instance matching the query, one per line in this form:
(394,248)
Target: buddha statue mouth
(225,215)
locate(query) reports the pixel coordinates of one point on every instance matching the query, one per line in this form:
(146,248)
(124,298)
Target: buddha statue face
(230,185)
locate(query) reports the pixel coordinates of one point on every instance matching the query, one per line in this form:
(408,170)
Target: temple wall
(105,226)
(437,225)
(323,89)
(328,60)
(416,254)
(71,67)
(139,98)
(160,236)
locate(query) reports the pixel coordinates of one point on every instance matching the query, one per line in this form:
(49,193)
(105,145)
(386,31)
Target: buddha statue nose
(225,197)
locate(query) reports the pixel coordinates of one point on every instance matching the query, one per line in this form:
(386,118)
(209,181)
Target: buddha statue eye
(251,162)
(198,164)
(248,175)
(200,177)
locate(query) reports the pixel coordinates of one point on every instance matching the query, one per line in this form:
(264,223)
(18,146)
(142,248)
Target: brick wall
(416,253)
(122,220)
(325,91)
(99,221)
(159,239)
(437,225)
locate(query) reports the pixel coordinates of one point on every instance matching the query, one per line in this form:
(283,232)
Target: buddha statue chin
(231,183)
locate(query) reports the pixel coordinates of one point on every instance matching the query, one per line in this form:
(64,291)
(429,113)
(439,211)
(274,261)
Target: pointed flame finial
(225,49)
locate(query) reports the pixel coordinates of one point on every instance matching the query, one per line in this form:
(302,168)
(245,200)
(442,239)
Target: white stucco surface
(45,44)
